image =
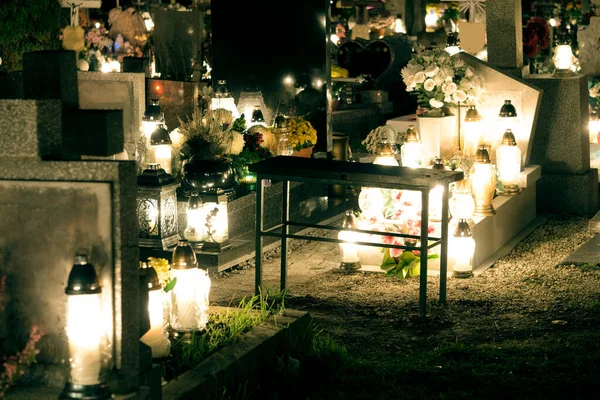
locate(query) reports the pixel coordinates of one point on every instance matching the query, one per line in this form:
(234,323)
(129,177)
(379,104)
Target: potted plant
(302,136)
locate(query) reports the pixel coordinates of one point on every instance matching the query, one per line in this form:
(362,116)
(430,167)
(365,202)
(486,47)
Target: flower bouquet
(441,81)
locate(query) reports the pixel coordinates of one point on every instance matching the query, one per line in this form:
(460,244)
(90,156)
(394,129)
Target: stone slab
(122,179)
(569,193)
(588,253)
(31,128)
(51,75)
(561,141)
(240,362)
(177,98)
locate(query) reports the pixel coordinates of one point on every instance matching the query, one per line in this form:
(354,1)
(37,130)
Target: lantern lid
(412,135)
(155,176)
(508,110)
(384,148)
(280,122)
(222,90)
(194,202)
(257,115)
(452,39)
(153,111)
(151,278)
(482,156)
(472,115)
(349,221)
(462,229)
(438,164)
(509,138)
(184,256)
(160,136)
(217,196)
(82,278)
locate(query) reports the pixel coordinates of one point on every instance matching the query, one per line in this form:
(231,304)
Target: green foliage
(170,284)
(221,330)
(406,265)
(17,32)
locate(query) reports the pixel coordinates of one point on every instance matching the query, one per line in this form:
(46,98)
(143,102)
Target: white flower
(431,71)
(237,143)
(438,79)
(448,99)
(448,79)
(460,96)
(419,77)
(435,103)
(449,88)
(469,72)
(429,85)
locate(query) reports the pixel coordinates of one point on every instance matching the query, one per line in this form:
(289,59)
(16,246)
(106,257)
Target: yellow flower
(301,133)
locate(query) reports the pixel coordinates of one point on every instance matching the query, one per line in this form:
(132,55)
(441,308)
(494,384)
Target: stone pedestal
(561,146)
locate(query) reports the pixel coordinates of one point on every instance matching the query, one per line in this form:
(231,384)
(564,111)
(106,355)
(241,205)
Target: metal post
(424,237)
(258,254)
(444,244)
(285,231)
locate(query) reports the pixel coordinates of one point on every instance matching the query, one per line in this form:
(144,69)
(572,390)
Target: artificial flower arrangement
(301,133)
(397,211)
(210,134)
(256,145)
(441,81)
(536,36)
(377,135)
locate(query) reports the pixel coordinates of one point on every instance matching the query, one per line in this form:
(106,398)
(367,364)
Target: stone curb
(239,362)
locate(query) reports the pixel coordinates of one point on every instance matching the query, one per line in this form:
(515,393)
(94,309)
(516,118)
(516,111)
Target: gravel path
(524,290)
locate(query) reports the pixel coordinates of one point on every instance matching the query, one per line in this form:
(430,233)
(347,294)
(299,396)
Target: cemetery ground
(528,327)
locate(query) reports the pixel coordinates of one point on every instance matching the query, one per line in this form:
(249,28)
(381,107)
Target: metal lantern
(222,98)
(461,204)
(349,248)
(152,117)
(472,131)
(564,60)
(411,148)
(157,208)
(189,297)
(195,230)
(86,334)
(157,337)
(385,154)
(508,160)
(216,222)
(160,147)
(462,248)
(483,182)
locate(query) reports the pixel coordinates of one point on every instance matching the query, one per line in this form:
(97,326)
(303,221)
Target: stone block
(569,193)
(92,132)
(505,35)
(31,128)
(51,75)
(116,91)
(561,140)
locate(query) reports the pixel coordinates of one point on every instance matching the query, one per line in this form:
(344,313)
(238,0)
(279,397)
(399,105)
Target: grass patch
(222,329)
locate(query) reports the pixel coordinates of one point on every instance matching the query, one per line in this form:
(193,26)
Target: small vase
(437,137)
(305,152)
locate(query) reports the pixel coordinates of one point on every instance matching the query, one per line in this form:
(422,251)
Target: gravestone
(504,30)
(50,211)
